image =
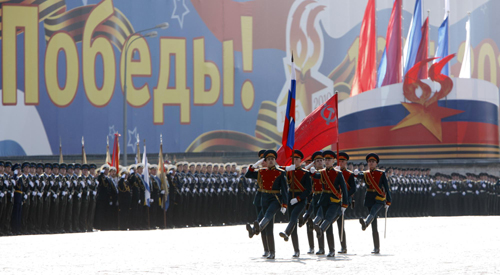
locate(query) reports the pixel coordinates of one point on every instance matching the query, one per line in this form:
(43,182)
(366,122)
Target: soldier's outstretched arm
(252,173)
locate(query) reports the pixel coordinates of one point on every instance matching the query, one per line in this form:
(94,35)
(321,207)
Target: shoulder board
(279,169)
(338,171)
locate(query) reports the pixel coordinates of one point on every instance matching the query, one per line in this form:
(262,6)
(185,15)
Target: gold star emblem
(430,117)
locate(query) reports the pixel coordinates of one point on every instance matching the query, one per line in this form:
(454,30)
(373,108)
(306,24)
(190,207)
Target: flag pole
(162,175)
(293,171)
(338,149)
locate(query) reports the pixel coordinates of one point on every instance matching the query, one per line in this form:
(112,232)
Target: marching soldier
(257,202)
(124,200)
(93,196)
(317,158)
(378,196)
(351,189)
(333,200)
(85,182)
(299,181)
(274,197)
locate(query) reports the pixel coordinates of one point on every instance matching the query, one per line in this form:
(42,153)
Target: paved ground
(451,245)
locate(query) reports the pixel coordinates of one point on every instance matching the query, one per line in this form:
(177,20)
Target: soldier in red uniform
(333,200)
(299,182)
(378,196)
(313,200)
(351,189)
(274,197)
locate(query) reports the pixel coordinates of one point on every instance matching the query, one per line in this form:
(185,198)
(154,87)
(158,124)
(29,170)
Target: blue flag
(414,37)
(442,47)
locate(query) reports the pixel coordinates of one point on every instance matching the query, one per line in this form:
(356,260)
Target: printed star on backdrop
(178,7)
(112,132)
(132,135)
(430,117)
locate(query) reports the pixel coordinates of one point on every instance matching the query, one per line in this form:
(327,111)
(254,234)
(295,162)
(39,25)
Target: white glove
(151,200)
(253,189)
(343,209)
(283,210)
(248,189)
(6,182)
(51,183)
(224,189)
(83,184)
(33,193)
(68,183)
(117,203)
(386,206)
(55,196)
(64,193)
(258,162)
(162,192)
(182,189)
(294,201)
(211,190)
(290,168)
(139,201)
(95,193)
(313,170)
(40,194)
(70,196)
(206,190)
(309,166)
(124,175)
(337,167)
(218,190)
(16,172)
(194,191)
(25,197)
(236,190)
(230,189)
(31,184)
(132,171)
(1,195)
(80,195)
(110,203)
(356,172)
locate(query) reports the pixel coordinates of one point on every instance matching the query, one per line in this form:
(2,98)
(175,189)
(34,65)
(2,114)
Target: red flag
(422,49)
(393,46)
(318,130)
(366,72)
(115,159)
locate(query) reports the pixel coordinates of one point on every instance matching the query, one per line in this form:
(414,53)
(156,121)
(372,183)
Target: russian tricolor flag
(288,138)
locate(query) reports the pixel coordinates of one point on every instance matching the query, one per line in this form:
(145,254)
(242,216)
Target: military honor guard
(299,182)
(378,196)
(351,189)
(333,200)
(274,197)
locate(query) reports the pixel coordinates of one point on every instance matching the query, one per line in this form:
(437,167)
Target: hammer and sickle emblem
(331,114)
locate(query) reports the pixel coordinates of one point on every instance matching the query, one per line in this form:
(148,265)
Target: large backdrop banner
(217,78)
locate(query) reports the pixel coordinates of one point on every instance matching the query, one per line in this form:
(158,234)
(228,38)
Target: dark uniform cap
(62,166)
(85,166)
(78,166)
(25,164)
(39,165)
(32,165)
(209,164)
(297,154)
(93,166)
(270,153)
(329,154)
(343,156)
(261,153)
(317,155)
(55,165)
(8,164)
(1,163)
(71,166)
(372,156)
(16,166)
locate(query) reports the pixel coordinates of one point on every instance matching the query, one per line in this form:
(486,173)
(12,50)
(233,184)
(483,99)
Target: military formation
(42,198)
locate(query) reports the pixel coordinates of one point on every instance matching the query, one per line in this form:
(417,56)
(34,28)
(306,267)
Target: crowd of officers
(38,198)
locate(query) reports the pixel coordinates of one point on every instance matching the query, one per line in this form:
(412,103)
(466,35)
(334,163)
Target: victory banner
(217,79)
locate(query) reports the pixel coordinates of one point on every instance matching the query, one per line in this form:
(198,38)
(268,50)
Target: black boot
(250,231)
(318,230)
(264,243)
(362,222)
(321,251)
(302,221)
(284,236)
(369,220)
(258,227)
(376,243)
(270,242)
(343,250)
(296,254)
(331,254)
(311,250)
(321,245)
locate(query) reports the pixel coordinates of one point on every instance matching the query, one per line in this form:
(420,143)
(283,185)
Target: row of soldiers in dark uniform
(46,198)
